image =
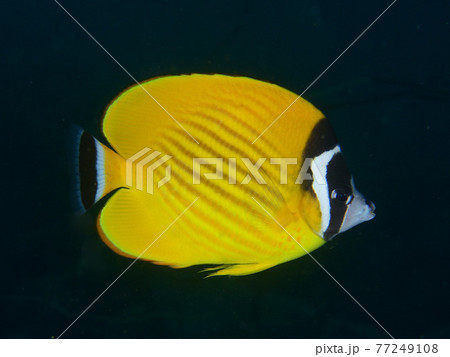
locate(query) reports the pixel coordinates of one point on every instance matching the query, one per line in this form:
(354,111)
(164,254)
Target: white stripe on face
(319,171)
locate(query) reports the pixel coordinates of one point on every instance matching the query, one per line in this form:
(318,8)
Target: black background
(387,98)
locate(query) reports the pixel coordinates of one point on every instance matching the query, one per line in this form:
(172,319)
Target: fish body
(253,208)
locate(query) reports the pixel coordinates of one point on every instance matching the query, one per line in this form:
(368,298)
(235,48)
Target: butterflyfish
(190,180)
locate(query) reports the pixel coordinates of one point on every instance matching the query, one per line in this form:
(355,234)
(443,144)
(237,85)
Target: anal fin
(240,269)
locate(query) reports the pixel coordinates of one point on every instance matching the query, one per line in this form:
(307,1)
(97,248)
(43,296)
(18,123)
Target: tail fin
(97,170)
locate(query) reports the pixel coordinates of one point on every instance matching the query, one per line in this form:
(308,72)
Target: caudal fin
(96,170)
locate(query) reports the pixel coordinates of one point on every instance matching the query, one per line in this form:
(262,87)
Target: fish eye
(341,196)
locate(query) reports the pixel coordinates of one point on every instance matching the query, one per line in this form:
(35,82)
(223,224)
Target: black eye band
(321,139)
(339,185)
(341,196)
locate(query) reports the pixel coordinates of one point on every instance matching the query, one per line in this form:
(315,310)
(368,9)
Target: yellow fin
(241,269)
(140,116)
(132,223)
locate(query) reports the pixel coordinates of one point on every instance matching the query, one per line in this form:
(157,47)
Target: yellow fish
(195,182)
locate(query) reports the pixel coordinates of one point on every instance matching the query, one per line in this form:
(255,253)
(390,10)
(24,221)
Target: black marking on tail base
(87,159)
(82,161)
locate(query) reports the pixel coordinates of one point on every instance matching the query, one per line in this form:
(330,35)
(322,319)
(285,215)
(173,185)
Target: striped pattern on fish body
(226,226)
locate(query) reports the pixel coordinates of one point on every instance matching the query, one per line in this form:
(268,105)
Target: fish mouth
(367,216)
(371,205)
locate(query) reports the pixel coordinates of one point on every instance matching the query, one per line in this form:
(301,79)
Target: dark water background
(388,98)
